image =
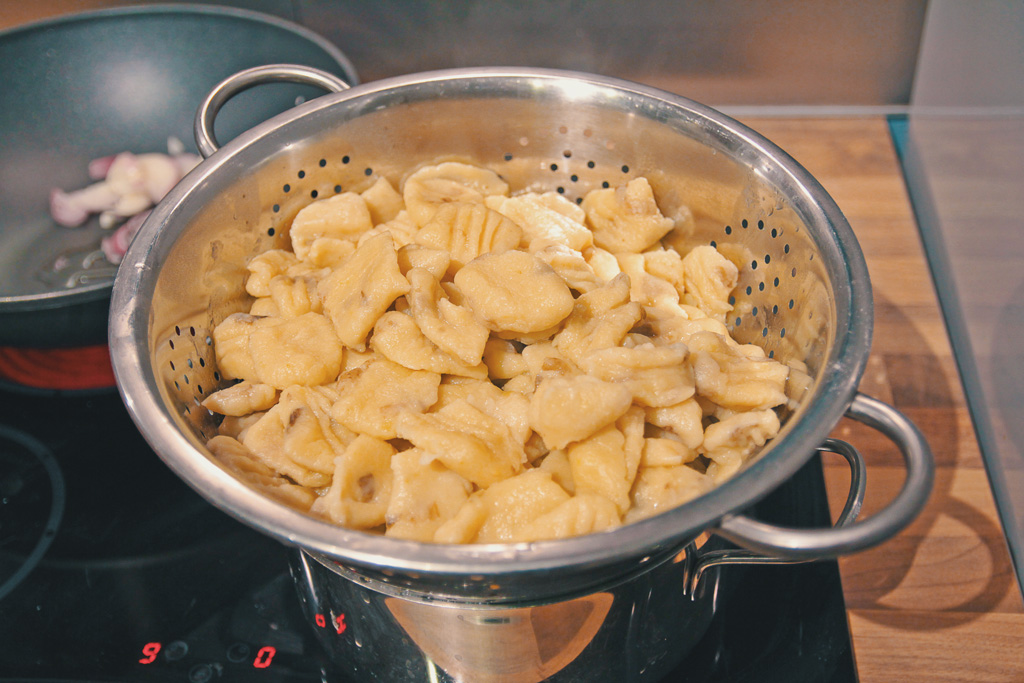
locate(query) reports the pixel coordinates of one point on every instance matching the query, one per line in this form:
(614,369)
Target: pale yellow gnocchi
(343,216)
(514,292)
(446,359)
(626,219)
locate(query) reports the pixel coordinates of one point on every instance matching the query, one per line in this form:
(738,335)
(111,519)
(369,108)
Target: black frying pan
(98,83)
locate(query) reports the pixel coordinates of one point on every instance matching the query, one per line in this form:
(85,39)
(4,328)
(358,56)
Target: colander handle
(783,543)
(206,141)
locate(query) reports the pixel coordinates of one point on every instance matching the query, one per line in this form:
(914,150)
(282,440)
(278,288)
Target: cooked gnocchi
(448,360)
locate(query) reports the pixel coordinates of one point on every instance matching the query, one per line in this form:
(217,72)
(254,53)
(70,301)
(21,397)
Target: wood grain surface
(939,602)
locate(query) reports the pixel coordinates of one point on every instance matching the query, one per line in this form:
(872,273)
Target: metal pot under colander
(804,296)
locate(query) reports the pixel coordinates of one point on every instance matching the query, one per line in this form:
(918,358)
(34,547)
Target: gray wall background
(720,52)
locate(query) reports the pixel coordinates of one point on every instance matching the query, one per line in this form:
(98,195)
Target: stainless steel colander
(804,296)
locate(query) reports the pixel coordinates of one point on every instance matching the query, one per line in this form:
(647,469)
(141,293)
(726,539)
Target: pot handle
(780,543)
(206,141)
(854,501)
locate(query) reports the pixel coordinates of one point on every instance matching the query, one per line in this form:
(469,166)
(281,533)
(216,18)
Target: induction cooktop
(112,569)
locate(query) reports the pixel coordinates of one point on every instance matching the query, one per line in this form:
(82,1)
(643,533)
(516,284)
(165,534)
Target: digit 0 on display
(264,657)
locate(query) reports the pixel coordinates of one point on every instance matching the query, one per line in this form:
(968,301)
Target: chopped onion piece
(127,185)
(116,244)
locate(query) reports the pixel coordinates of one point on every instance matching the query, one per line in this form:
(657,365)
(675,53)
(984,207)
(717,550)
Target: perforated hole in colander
(188,364)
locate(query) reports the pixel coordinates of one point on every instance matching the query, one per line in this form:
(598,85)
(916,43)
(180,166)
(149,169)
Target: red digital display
(339,622)
(320,621)
(150,651)
(264,657)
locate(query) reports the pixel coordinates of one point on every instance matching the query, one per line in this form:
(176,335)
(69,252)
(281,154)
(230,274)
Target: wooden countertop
(939,602)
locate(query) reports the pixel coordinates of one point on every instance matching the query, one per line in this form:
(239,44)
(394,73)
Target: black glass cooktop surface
(112,569)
